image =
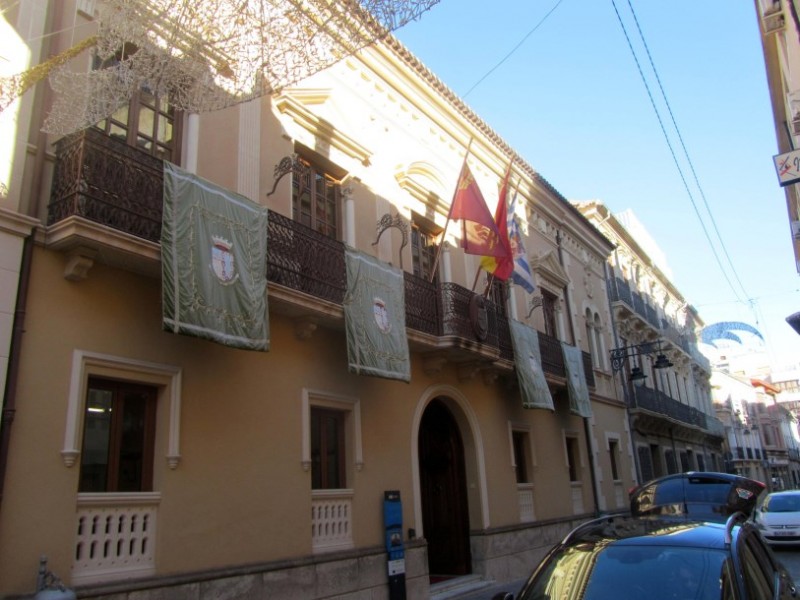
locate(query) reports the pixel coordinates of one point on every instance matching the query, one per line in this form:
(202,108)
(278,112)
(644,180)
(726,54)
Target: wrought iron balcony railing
(108,182)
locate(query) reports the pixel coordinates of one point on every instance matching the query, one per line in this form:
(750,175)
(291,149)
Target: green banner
(528,361)
(213,262)
(579,403)
(375,318)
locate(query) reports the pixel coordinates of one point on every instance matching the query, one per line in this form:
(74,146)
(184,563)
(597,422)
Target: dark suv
(700,494)
(687,536)
(658,558)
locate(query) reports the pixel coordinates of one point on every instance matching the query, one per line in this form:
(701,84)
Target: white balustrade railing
(331,520)
(525,494)
(115,536)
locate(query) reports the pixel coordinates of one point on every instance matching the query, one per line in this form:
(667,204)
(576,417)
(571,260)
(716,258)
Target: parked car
(659,558)
(687,536)
(778,518)
(701,494)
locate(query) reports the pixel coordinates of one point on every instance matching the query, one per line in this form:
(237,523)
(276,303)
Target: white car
(778,518)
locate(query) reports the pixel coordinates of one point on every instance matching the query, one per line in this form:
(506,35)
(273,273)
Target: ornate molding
(291,104)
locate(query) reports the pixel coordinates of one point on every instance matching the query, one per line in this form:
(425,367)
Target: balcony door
(443,489)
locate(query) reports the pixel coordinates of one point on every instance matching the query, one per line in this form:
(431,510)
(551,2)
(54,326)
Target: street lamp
(620,356)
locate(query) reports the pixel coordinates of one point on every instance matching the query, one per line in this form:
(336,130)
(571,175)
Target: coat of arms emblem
(222,260)
(381,315)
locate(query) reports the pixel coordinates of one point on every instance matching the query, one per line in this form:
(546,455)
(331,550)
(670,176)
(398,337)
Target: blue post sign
(393,527)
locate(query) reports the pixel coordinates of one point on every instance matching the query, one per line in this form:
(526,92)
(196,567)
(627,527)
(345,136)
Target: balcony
(656,405)
(106,200)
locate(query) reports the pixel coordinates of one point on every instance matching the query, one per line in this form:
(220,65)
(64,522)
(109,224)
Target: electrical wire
(686,151)
(674,156)
(513,50)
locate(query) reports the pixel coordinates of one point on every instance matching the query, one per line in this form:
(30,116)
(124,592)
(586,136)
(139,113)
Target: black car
(659,558)
(687,536)
(700,494)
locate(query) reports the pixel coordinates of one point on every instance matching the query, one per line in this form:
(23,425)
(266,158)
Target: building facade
(149,464)
(661,374)
(780,27)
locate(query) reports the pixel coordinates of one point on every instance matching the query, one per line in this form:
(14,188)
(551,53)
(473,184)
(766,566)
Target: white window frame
(614,437)
(348,404)
(85,364)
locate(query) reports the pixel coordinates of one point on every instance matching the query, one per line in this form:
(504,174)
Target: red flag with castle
(479,231)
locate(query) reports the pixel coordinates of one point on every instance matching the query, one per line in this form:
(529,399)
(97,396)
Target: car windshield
(782,503)
(609,572)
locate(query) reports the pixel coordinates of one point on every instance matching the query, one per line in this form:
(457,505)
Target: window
(147,122)
(685,466)
(672,465)
(573,458)
(613,455)
(423,250)
(646,463)
(316,199)
(520,443)
(549,311)
(118,437)
(758,569)
(327,449)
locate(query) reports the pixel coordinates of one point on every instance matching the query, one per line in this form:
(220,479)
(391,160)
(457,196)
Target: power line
(514,49)
(685,150)
(672,153)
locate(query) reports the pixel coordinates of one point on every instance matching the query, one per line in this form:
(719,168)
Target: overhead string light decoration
(213,54)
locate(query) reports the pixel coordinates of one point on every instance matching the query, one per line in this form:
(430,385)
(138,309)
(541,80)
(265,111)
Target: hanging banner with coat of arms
(213,262)
(579,403)
(528,362)
(375,318)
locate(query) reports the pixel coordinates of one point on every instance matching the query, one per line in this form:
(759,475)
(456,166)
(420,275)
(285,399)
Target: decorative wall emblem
(223,261)
(479,317)
(381,314)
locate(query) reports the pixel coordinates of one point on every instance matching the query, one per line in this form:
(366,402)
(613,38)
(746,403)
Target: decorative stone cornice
(293,104)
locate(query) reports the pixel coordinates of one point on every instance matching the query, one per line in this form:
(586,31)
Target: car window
(782,503)
(757,569)
(728,581)
(637,572)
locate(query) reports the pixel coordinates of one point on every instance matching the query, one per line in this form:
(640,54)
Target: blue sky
(571,101)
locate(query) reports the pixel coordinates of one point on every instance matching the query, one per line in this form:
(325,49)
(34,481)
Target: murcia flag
(213,262)
(479,232)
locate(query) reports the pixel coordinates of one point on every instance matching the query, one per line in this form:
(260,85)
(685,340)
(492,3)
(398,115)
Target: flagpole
(449,213)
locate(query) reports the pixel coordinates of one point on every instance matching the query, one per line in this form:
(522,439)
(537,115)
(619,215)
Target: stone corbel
(304,328)
(470,370)
(79,261)
(490,376)
(433,363)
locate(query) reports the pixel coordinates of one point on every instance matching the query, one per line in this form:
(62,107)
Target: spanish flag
(501,266)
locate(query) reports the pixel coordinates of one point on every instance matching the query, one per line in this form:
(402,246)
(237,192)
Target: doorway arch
(447,451)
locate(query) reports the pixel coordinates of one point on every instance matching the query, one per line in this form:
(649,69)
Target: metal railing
(104,180)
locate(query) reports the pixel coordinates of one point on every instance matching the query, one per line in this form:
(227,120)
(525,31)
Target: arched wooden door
(443,488)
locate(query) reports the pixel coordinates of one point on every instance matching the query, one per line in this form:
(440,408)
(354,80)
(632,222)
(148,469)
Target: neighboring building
(739,407)
(138,460)
(775,422)
(663,377)
(780,36)
(787,381)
